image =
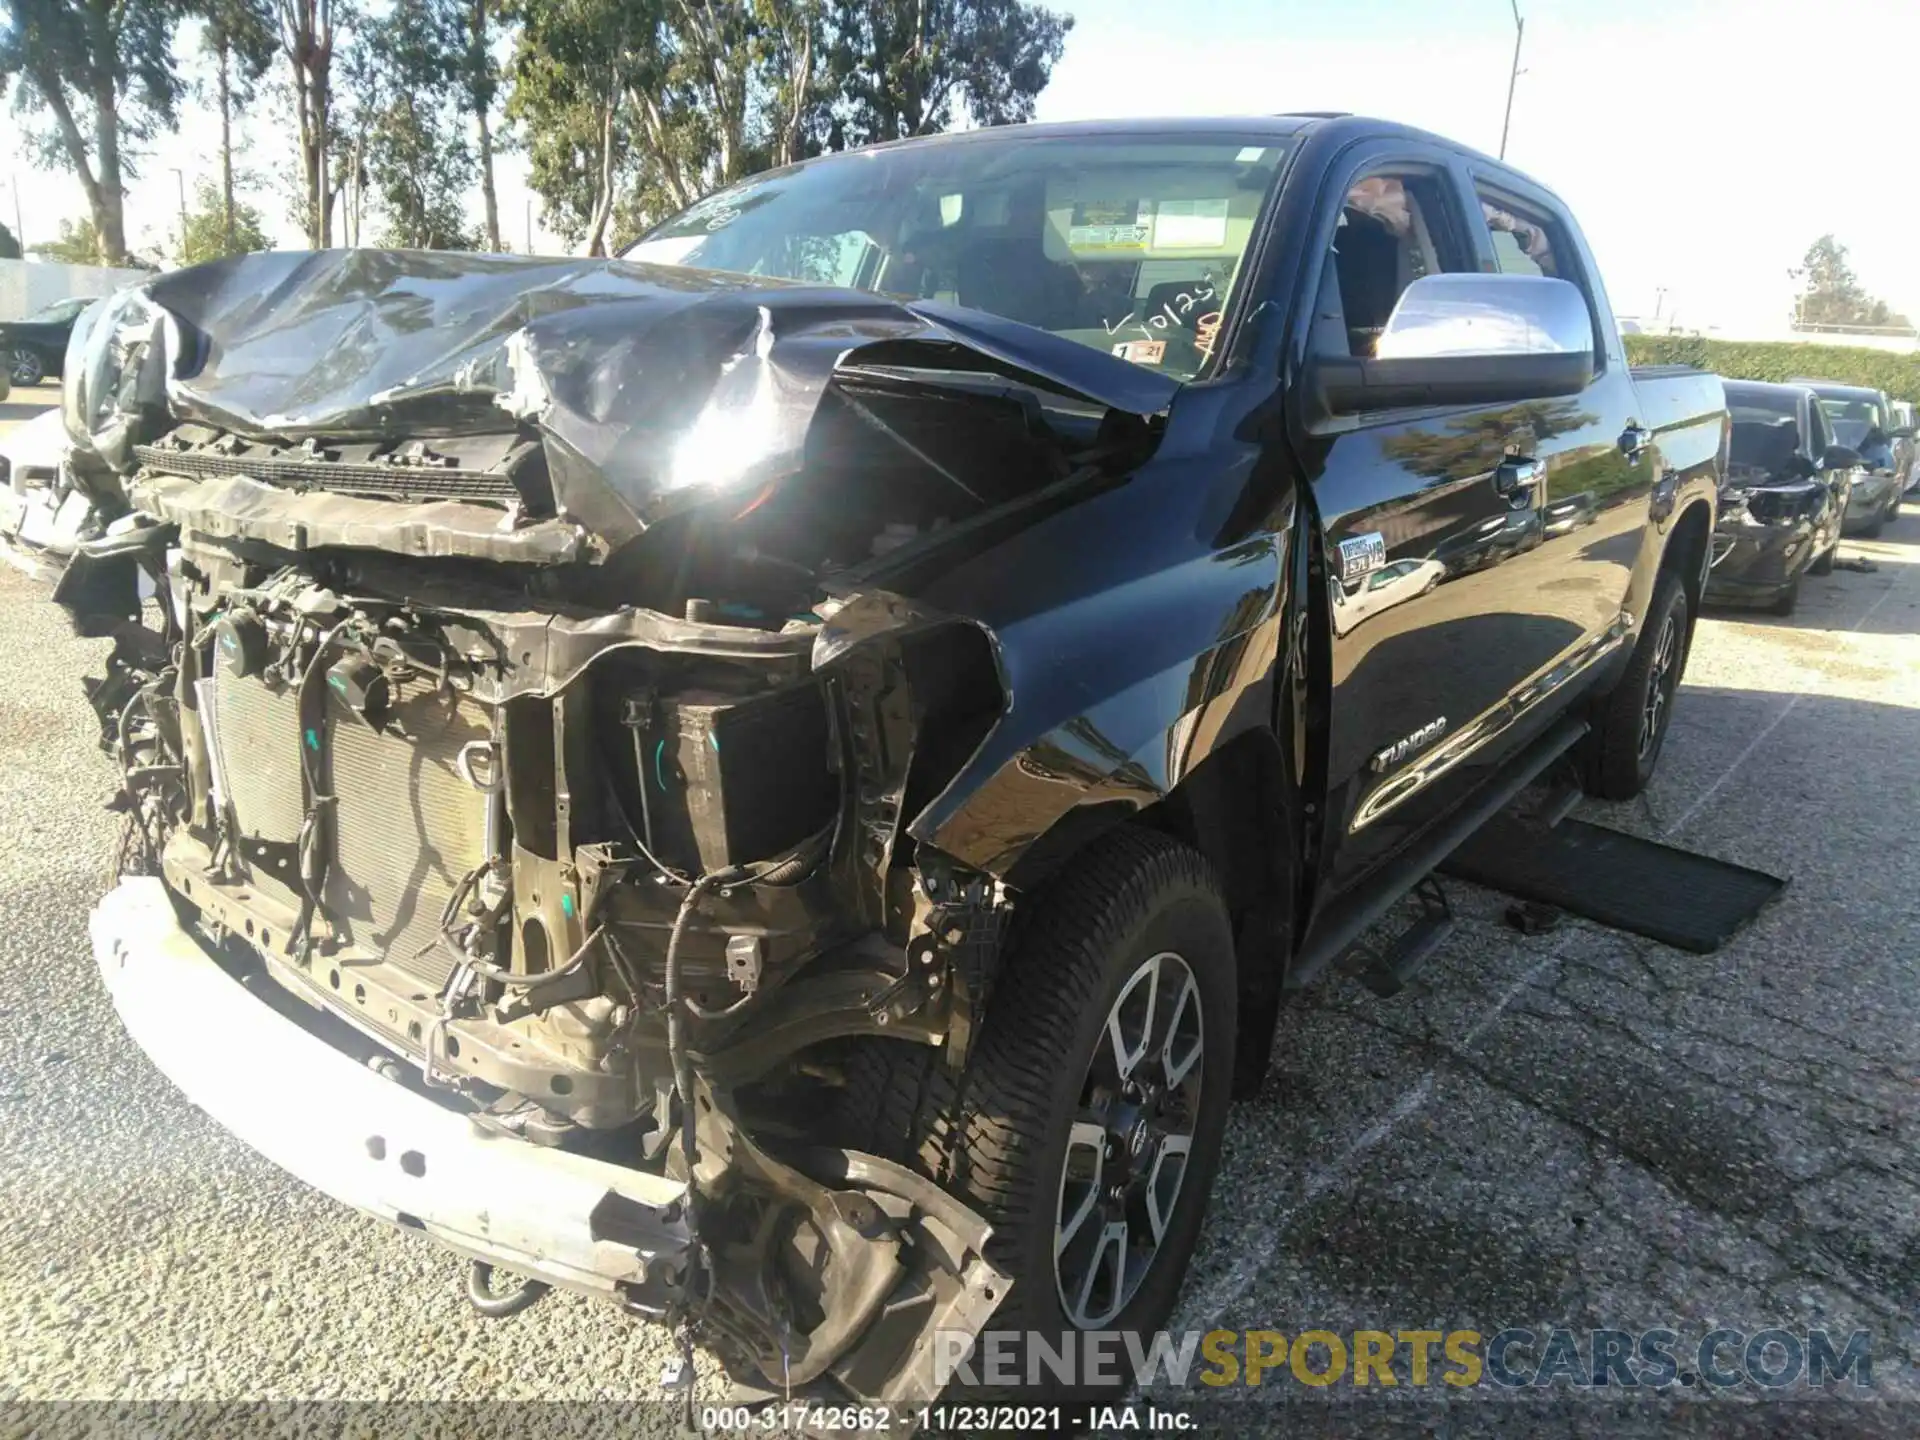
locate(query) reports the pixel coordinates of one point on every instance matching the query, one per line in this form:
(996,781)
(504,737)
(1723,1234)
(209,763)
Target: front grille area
(395,482)
(406,826)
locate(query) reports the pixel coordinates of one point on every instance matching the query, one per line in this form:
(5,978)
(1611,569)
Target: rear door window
(1523,243)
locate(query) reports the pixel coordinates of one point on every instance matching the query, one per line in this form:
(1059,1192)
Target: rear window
(1853,419)
(1763,440)
(1522,244)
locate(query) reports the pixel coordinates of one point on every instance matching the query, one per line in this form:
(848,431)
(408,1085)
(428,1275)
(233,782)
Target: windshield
(1852,419)
(1128,244)
(59,310)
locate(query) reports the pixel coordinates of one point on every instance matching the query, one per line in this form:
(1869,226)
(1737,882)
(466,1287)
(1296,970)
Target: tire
(1002,1135)
(28,369)
(1824,565)
(1619,757)
(1788,599)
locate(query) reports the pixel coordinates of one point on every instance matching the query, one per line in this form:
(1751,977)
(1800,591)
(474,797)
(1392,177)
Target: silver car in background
(1906,452)
(1863,420)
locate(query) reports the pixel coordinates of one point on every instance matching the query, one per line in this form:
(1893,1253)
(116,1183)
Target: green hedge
(1897,374)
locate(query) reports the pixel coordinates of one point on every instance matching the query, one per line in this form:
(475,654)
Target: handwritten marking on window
(1206,330)
(1171,312)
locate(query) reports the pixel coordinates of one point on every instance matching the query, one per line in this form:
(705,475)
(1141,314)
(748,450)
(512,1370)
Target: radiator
(406,826)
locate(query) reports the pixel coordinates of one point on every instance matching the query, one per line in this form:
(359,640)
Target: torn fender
(1132,639)
(651,386)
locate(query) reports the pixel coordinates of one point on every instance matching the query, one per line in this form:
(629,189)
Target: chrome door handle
(1634,441)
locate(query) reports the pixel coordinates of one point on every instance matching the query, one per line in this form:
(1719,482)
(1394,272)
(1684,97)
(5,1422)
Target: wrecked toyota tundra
(779,779)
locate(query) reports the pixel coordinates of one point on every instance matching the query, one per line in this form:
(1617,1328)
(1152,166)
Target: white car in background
(40,511)
(1382,590)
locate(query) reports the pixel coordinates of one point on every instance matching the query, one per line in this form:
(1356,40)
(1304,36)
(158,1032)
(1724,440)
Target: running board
(1390,971)
(1347,918)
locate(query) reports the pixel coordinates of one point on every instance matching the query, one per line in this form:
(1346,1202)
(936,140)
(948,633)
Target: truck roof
(1837,390)
(1283,126)
(1783,393)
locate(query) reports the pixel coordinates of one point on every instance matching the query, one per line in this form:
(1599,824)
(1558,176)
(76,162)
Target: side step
(1347,918)
(1389,973)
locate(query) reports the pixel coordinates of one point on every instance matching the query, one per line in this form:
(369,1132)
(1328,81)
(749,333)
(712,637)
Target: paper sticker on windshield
(1142,352)
(1190,225)
(1109,225)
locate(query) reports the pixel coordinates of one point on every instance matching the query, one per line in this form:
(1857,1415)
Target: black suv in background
(34,348)
(1784,498)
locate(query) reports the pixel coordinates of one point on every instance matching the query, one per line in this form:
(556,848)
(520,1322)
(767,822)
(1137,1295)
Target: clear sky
(1702,143)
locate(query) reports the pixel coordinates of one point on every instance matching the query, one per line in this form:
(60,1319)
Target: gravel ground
(1579,1128)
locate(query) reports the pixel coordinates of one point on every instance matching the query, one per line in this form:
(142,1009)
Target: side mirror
(1467,340)
(1841,457)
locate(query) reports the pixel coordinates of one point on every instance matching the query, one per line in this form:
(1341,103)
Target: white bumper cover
(364,1139)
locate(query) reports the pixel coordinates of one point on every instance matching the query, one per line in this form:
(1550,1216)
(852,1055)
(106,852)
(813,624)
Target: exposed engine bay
(535,683)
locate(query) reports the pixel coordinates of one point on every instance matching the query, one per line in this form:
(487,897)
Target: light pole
(1513,79)
(181,177)
(19,228)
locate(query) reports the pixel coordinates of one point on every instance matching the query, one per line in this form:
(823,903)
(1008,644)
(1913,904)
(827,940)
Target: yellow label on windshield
(1110,225)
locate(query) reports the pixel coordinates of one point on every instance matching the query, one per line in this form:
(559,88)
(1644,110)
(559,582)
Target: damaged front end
(528,681)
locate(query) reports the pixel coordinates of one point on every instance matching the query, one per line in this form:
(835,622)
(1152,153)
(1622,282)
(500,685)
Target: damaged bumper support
(907,1260)
(370,1142)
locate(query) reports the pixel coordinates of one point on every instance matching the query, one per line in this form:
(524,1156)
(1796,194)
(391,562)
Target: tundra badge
(1400,749)
(1362,555)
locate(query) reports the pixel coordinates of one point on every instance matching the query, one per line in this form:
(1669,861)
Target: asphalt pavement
(1579,1128)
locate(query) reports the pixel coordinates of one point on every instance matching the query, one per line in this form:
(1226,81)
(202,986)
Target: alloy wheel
(27,369)
(1661,679)
(1130,1141)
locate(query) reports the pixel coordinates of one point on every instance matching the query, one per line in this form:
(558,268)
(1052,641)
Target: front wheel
(1087,1125)
(1824,565)
(1630,724)
(28,368)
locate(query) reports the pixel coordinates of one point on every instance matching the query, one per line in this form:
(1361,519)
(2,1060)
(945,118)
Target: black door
(1507,534)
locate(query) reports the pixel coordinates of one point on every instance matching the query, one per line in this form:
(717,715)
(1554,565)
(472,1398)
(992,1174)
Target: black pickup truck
(792,768)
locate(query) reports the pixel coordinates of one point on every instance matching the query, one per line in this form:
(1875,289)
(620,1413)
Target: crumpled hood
(648,384)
